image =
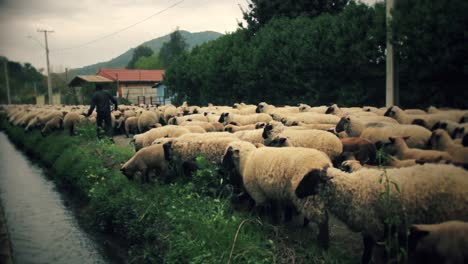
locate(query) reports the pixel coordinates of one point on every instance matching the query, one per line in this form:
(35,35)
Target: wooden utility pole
(49,81)
(392,89)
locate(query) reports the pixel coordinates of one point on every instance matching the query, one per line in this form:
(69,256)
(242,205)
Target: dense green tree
(260,12)
(140,51)
(149,63)
(172,49)
(431,37)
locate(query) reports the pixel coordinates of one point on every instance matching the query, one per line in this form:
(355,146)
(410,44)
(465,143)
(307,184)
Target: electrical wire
(120,30)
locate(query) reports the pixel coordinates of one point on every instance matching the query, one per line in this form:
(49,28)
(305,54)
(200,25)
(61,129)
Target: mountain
(192,39)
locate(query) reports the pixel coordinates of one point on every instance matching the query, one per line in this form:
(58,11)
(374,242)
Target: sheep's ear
(236,153)
(329,110)
(392,139)
(436,126)
(226,114)
(205,114)
(406,137)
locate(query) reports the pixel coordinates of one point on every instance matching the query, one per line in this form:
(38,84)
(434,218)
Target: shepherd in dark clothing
(101,100)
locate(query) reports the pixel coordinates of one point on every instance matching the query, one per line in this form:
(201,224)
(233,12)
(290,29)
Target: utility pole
(7,81)
(49,81)
(392,89)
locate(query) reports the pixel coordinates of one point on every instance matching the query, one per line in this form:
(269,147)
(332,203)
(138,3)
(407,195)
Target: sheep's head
(310,183)
(127,171)
(458,131)
(302,107)
(331,109)
(350,165)
(228,128)
(343,124)
(278,142)
(228,161)
(167,147)
(223,118)
(260,107)
(267,130)
(419,122)
(392,112)
(436,138)
(260,125)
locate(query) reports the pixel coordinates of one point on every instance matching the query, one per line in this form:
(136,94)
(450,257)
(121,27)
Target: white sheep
(279,175)
(240,120)
(400,149)
(147,120)
(440,140)
(146,160)
(252,136)
(427,120)
(276,134)
(145,139)
(446,242)
(428,193)
(353,126)
(419,136)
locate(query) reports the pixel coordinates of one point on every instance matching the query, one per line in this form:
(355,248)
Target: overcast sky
(77,22)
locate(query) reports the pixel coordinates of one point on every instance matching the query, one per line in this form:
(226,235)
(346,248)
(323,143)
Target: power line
(120,30)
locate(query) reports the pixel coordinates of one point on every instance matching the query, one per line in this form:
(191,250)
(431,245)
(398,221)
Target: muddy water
(42,229)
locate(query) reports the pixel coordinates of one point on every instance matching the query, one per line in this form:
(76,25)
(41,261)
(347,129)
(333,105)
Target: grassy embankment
(178,222)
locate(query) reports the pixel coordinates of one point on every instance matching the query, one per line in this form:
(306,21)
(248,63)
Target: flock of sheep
(309,160)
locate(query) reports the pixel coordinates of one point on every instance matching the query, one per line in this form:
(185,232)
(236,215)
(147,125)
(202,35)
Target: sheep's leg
(324,233)
(368,245)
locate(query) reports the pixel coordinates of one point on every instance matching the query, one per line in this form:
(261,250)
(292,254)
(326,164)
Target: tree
(431,39)
(172,49)
(140,51)
(262,11)
(149,63)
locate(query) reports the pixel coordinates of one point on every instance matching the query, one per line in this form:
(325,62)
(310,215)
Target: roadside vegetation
(171,221)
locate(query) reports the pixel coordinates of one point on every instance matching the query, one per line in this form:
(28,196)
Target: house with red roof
(135,85)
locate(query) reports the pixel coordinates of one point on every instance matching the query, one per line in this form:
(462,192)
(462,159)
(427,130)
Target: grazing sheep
(147,120)
(208,127)
(278,175)
(69,122)
(354,126)
(440,140)
(276,134)
(362,149)
(318,109)
(309,118)
(419,136)
(184,150)
(145,160)
(240,120)
(169,112)
(252,136)
(271,109)
(400,149)
(234,128)
(53,124)
(131,126)
(425,193)
(428,120)
(145,139)
(446,242)
(180,119)
(195,129)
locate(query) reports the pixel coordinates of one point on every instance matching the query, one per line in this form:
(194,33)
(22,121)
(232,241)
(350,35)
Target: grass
(178,222)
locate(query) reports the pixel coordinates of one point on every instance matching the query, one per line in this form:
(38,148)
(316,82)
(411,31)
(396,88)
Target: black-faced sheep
(147,120)
(363,150)
(446,242)
(424,193)
(69,122)
(277,174)
(53,124)
(241,120)
(146,160)
(398,147)
(440,140)
(276,134)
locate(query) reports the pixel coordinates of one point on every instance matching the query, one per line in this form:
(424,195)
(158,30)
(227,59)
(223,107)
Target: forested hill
(192,39)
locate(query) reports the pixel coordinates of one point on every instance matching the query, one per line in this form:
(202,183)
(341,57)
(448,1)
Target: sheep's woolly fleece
(428,194)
